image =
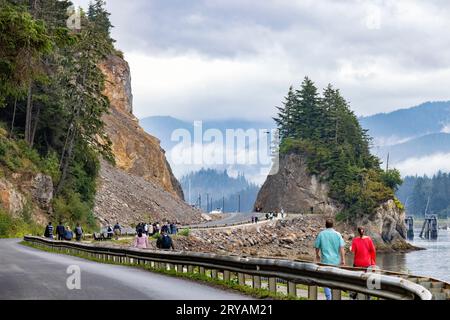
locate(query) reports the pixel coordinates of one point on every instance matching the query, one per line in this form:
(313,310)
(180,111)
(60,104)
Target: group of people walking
(330,249)
(63,232)
(155,228)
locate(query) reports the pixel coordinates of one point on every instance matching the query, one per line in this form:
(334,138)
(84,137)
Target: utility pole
(207,202)
(223,204)
(239,203)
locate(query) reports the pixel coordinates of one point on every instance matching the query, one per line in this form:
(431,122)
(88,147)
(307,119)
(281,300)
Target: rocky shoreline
(289,239)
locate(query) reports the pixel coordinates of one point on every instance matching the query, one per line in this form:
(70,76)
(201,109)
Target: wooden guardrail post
(256,282)
(336,294)
(312,292)
(190,268)
(292,289)
(202,271)
(272,284)
(226,275)
(214,273)
(241,279)
(179,268)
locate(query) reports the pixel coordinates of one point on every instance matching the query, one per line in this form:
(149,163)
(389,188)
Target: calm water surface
(433,262)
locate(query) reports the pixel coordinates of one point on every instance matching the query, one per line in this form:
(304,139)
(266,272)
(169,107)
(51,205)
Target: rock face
(142,186)
(297,191)
(11,199)
(42,190)
(386,225)
(22,192)
(136,152)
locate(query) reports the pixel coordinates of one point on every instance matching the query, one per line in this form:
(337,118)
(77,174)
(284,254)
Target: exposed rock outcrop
(297,191)
(11,199)
(142,186)
(42,190)
(135,151)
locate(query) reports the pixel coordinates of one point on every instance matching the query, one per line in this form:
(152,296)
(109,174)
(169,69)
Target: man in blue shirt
(330,249)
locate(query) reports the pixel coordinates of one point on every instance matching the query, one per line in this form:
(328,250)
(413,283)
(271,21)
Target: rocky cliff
(297,191)
(138,155)
(30,192)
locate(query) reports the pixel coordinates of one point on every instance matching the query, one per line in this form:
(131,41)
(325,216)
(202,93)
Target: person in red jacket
(363,250)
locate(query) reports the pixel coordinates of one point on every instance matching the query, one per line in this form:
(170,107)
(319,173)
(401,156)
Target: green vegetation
(416,191)
(184,232)
(327,132)
(17,227)
(195,276)
(51,101)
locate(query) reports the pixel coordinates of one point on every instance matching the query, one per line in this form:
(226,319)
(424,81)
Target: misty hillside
(416,148)
(211,187)
(404,124)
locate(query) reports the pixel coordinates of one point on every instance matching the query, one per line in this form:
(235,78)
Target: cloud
(428,165)
(219,58)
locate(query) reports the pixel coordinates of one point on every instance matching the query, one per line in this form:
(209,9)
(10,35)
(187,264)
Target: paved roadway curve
(27,273)
(231,218)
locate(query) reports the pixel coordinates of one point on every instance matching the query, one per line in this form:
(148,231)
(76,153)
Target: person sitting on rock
(68,234)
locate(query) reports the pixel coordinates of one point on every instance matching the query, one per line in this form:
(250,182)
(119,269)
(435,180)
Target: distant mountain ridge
(164,126)
(416,139)
(406,124)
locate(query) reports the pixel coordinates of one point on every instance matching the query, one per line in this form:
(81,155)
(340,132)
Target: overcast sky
(214,59)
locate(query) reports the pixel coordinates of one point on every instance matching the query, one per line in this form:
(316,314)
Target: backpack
(166,242)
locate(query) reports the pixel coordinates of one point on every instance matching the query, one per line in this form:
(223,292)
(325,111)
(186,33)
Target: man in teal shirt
(330,249)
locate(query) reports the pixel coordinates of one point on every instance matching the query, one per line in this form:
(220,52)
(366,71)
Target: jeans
(327,293)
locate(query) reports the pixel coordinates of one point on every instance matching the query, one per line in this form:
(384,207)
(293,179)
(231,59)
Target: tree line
(324,129)
(425,194)
(51,93)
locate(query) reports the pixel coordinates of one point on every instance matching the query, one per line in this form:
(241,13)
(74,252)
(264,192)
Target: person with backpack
(48,233)
(117,230)
(141,240)
(164,242)
(60,230)
(78,232)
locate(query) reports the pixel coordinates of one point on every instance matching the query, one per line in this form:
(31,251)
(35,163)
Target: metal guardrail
(276,271)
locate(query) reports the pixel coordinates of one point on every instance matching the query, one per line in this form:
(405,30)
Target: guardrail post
(292,289)
(226,275)
(179,268)
(202,271)
(312,292)
(214,274)
(256,282)
(361,296)
(336,294)
(272,284)
(190,269)
(241,279)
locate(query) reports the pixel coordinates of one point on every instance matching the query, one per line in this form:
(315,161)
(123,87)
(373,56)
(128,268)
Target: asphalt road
(232,218)
(30,274)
